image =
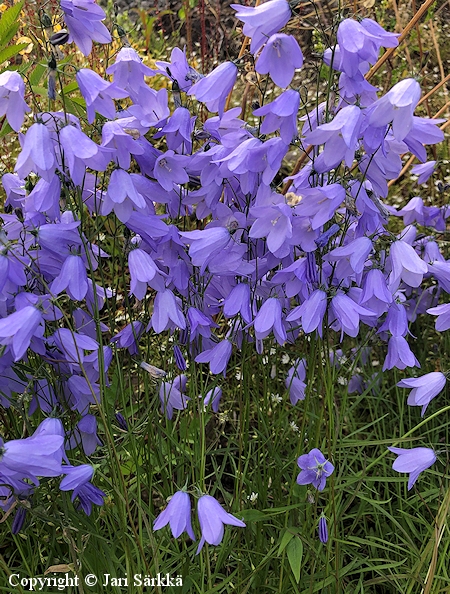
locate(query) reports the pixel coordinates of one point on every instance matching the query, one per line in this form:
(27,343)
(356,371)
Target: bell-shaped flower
(295,381)
(213,89)
(99,94)
(73,278)
(217,357)
(206,244)
(128,338)
(116,136)
(281,115)
(128,72)
(423,131)
(424,388)
(142,272)
(87,495)
(178,131)
(31,457)
(153,108)
(178,69)
(76,476)
(214,397)
(18,329)
(167,312)
(443,319)
(351,257)
(260,22)
(424,171)
(170,169)
(360,42)
(406,266)
(83,19)
(340,137)
(315,469)
(212,518)
(12,103)
(320,204)
(122,196)
(172,396)
(396,106)
(399,354)
(85,434)
(280,57)
(270,318)
(413,461)
(238,301)
(81,152)
(347,313)
(37,153)
(311,312)
(199,324)
(275,224)
(177,514)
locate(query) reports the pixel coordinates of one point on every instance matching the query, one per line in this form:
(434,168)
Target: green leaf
(37,74)
(72,86)
(252,515)
(285,540)
(11,51)
(9,19)
(9,35)
(6,129)
(295,556)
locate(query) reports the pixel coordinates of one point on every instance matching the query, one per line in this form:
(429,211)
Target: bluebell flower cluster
(273,265)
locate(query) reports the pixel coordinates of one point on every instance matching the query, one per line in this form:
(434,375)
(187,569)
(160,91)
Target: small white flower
(342,381)
(294,427)
(285,359)
(253,497)
(276,398)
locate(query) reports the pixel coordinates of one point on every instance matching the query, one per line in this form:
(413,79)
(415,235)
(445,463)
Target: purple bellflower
(172,397)
(212,518)
(128,338)
(12,103)
(280,57)
(315,469)
(213,89)
(311,312)
(295,381)
(81,152)
(128,72)
(177,514)
(170,169)
(270,318)
(217,357)
(99,94)
(214,397)
(260,22)
(443,319)
(85,434)
(397,106)
(73,278)
(407,266)
(83,19)
(340,137)
(281,115)
(414,461)
(424,388)
(323,529)
(399,354)
(424,171)
(37,153)
(167,312)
